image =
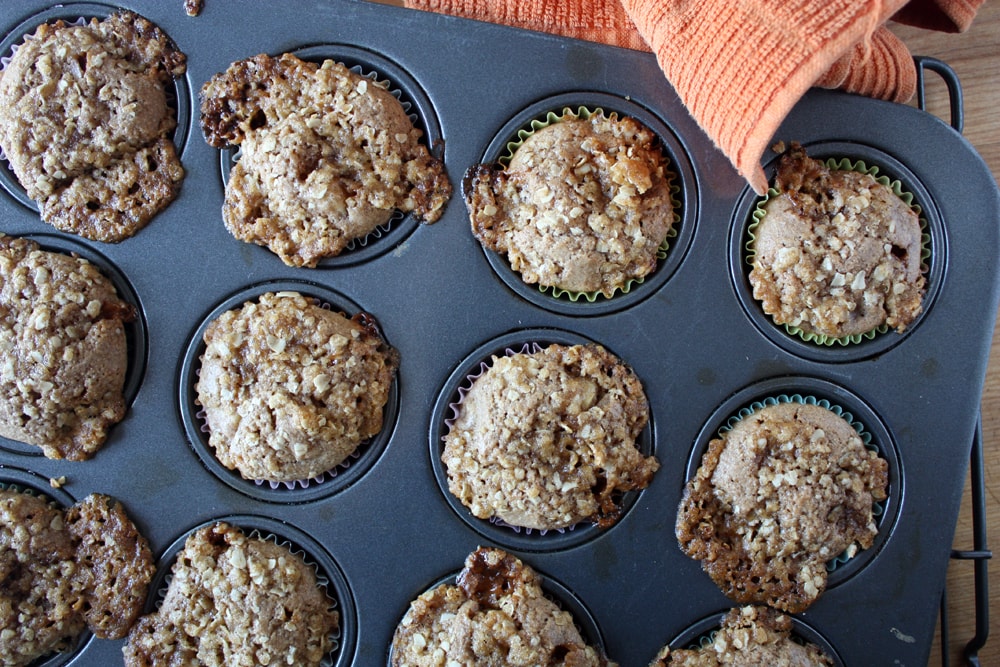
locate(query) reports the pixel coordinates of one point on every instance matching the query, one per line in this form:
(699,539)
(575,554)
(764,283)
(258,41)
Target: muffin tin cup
(26,481)
(445,408)
(555,592)
(178,95)
(136,335)
(691,331)
(328,575)
(683,188)
(867,345)
(328,483)
(415,103)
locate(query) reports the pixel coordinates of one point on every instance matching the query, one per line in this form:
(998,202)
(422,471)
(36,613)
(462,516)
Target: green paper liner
(878,507)
(585,113)
(843,164)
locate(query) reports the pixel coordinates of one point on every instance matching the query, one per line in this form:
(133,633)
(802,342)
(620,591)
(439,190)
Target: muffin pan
(384,528)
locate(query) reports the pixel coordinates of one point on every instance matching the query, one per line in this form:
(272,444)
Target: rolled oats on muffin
(289,388)
(750,636)
(583,206)
(64,349)
(327,156)
(85,123)
(495,614)
(787,489)
(236,601)
(836,253)
(548,439)
(67,570)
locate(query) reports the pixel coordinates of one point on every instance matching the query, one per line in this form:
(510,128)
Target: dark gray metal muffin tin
(691,333)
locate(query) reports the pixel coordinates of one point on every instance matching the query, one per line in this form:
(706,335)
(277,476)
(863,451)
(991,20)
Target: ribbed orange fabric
(740,65)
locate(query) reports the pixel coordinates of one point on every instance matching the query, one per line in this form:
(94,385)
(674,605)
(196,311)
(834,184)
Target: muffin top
(289,388)
(85,123)
(787,489)
(65,571)
(749,637)
(583,205)
(236,601)
(327,156)
(836,253)
(547,439)
(62,337)
(497,614)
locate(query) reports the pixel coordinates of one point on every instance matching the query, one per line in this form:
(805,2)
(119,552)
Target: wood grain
(975,57)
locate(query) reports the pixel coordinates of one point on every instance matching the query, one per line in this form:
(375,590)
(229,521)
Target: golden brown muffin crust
(583,206)
(496,616)
(548,439)
(236,601)
(289,388)
(85,123)
(787,489)
(62,571)
(837,253)
(327,156)
(64,351)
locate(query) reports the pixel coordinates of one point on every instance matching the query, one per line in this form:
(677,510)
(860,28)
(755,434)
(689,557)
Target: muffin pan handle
(950,79)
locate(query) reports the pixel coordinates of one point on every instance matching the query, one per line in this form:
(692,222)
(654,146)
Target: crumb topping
(789,488)
(327,156)
(63,348)
(85,123)
(548,439)
(289,388)
(749,637)
(497,614)
(583,205)
(64,571)
(837,253)
(236,601)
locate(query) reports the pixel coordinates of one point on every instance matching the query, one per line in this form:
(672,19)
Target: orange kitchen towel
(740,65)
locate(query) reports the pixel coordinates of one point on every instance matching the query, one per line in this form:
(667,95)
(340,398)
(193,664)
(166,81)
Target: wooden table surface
(975,57)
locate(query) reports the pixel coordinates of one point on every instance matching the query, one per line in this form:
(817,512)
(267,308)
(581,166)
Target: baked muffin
(497,614)
(327,156)
(62,339)
(748,637)
(583,205)
(836,253)
(85,124)
(290,389)
(236,601)
(787,489)
(547,439)
(64,571)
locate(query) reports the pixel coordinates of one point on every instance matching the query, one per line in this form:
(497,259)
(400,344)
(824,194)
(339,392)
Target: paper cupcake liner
(878,507)
(321,478)
(860,166)
(583,112)
(322,581)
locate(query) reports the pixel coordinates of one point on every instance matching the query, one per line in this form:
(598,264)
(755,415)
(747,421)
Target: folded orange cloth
(739,66)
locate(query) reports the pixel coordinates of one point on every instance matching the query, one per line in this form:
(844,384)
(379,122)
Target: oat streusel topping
(583,205)
(62,571)
(236,601)
(548,439)
(327,156)
(63,349)
(789,488)
(289,388)
(749,637)
(85,124)
(497,614)
(837,253)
